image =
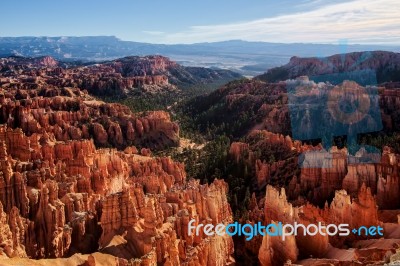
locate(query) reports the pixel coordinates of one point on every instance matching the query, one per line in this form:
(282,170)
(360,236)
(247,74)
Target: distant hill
(366,68)
(117,77)
(248,58)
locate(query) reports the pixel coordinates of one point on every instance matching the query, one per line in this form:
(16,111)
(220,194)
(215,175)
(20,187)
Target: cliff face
(382,179)
(70,114)
(15,63)
(361,211)
(318,185)
(118,77)
(141,66)
(58,198)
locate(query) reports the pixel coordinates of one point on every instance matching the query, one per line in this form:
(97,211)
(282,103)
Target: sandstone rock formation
(342,193)
(59,198)
(72,182)
(318,185)
(361,211)
(70,114)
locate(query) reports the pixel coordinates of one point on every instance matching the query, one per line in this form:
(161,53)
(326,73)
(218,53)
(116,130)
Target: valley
(107,162)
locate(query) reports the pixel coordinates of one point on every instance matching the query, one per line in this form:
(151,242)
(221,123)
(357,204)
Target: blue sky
(179,21)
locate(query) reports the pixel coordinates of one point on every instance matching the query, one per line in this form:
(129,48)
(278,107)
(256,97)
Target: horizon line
(196,43)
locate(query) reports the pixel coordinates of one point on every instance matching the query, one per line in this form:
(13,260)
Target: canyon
(84,181)
(78,177)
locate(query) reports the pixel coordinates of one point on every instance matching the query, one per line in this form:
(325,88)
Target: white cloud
(357,21)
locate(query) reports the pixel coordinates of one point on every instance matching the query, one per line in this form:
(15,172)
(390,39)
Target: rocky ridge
(152,74)
(368,68)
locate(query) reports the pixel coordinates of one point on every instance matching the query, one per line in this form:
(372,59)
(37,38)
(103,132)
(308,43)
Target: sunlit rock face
(70,114)
(72,181)
(59,198)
